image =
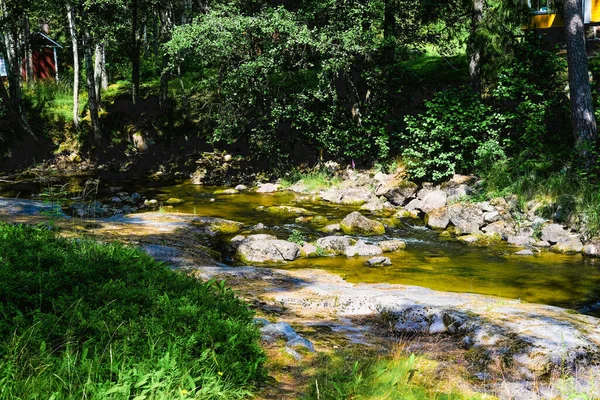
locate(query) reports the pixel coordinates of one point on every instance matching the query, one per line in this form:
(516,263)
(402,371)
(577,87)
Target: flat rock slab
(537,338)
(28,207)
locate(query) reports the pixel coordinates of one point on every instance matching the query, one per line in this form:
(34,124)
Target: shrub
(455,132)
(81,319)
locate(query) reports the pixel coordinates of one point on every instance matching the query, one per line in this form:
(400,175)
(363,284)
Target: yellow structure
(544,15)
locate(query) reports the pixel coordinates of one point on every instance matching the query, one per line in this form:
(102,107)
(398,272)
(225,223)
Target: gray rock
(414,204)
(573,246)
(591,249)
(502,228)
(355,223)
(491,216)
(379,261)
(426,188)
(258,227)
(524,253)
(309,250)
(399,195)
(348,196)
(116,200)
(279,330)
(260,237)
(541,243)
(335,244)
(363,249)
(253,250)
(237,240)
(300,342)
(438,218)
(389,246)
(260,322)
(331,228)
(520,240)
(135,197)
(297,356)
(433,200)
(267,188)
(373,205)
(466,217)
(241,188)
(555,233)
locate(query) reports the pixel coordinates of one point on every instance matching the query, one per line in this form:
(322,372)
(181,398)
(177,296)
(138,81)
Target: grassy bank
(80,319)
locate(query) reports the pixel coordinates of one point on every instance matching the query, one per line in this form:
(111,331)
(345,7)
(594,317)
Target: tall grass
(80,319)
(564,195)
(369,376)
(312,180)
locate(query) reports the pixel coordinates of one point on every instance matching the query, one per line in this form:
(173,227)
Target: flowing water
(429,261)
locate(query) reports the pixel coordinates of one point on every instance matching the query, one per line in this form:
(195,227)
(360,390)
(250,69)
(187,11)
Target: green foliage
(312,180)
(348,375)
(456,132)
(283,77)
(297,237)
(80,319)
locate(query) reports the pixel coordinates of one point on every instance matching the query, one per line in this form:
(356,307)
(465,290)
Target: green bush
(456,132)
(80,319)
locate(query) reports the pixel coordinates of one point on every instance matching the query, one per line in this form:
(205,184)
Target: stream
(568,281)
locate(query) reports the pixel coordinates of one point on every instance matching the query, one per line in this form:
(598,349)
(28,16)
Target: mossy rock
(356,224)
(225,227)
(173,201)
(480,240)
(226,191)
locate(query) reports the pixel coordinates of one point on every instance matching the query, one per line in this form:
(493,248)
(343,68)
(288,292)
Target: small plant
(296,237)
(320,251)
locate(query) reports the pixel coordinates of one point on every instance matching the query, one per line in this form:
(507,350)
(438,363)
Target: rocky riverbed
(516,349)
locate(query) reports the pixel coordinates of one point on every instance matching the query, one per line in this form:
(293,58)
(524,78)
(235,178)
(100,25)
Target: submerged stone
(379,261)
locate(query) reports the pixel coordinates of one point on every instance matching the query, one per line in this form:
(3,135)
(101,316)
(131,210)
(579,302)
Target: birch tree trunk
(98,70)
(91,87)
(582,108)
(28,51)
(73,32)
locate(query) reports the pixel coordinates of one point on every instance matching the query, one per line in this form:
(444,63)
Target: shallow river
(429,261)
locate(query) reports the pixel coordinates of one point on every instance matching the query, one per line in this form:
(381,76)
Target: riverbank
(504,347)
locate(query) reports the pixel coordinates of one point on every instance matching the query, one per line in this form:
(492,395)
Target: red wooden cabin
(44,58)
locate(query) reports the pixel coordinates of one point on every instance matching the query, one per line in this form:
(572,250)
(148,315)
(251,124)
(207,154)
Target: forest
(246,142)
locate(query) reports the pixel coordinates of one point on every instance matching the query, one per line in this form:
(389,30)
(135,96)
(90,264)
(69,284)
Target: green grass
(565,195)
(368,376)
(80,319)
(313,180)
(437,68)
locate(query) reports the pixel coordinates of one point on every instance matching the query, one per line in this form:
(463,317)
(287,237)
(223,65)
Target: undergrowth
(359,375)
(312,180)
(80,319)
(564,196)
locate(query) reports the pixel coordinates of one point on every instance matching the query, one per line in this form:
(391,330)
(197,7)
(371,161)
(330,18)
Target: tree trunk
(389,30)
(166,29)
(104,83)
(13,67)
(99,70)
(91,87)
(474,46)
(135,55)
(73,32)
(582,108)
(28,51)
